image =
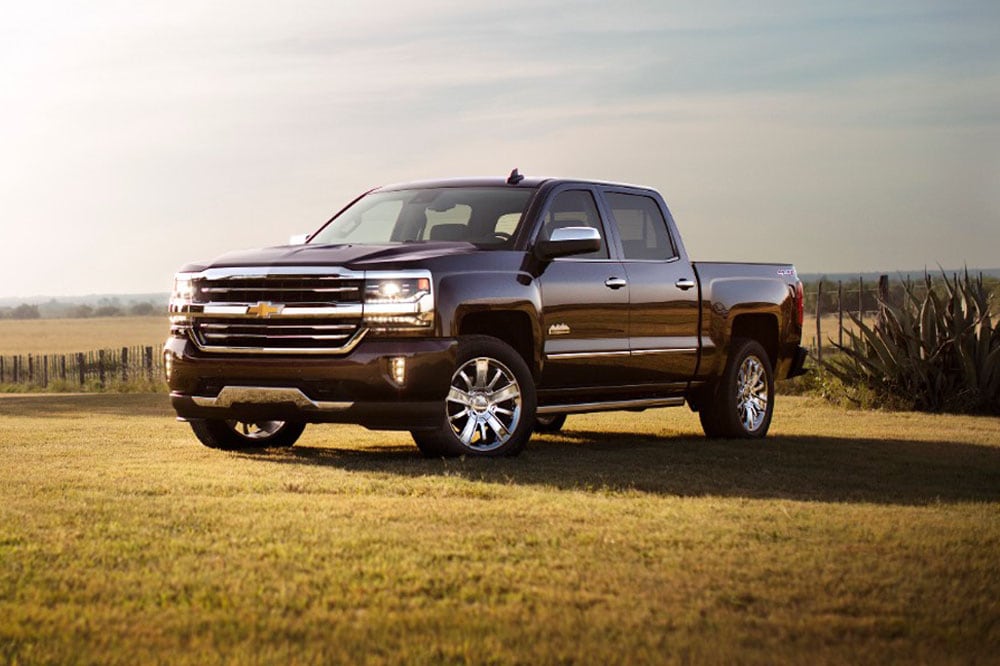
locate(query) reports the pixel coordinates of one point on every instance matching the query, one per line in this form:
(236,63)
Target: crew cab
(474,312)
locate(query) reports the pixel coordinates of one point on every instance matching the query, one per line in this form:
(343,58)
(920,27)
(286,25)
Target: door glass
(574,208)
(641,227)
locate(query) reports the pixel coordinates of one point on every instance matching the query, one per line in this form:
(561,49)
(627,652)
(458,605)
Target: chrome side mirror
(568,241)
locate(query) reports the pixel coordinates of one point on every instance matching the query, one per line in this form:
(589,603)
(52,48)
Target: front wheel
(236,435)
(742,402)
(490,406)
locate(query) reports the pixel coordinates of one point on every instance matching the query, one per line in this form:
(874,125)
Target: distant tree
(25,311)
(142,309)
(108,311)
(82,312)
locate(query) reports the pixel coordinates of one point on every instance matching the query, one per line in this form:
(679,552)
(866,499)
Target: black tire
(742,402)
(490,410)
(549,422)
(238,435)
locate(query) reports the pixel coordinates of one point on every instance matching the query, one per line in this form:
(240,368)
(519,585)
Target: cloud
(197,127)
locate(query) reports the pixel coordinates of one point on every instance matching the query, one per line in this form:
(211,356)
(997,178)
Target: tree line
(54,309)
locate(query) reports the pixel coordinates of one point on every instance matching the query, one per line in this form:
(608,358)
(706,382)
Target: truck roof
(497,181)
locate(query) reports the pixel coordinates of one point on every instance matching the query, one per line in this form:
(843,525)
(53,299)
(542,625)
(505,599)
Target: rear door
(584,302)
(662,287)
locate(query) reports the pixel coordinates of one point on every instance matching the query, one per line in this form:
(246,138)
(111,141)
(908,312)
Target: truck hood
(357,257)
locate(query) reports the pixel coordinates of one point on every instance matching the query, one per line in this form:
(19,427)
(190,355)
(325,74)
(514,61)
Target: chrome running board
(610,406)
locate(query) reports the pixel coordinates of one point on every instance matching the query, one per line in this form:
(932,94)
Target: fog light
(168,365)
(397,369)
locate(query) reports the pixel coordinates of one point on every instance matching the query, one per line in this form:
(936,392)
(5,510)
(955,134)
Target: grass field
(65,336)
(847,537)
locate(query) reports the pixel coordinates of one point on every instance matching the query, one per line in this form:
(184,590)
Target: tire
(549,422)
(239,435)
(742,402)
(490,409)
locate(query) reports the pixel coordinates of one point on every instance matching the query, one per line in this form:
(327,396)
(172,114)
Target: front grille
(308,290)
(283,333)
(241,311)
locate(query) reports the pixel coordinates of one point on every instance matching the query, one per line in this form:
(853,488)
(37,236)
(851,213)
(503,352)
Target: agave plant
(940,352)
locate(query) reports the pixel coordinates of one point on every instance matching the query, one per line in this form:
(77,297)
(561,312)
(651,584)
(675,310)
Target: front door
(585,302)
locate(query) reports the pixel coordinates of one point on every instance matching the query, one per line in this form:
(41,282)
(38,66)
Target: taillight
(800,303)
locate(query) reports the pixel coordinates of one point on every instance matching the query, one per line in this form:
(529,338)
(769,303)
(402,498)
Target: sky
(841,136)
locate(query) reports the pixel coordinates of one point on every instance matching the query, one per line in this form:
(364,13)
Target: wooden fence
(104,366)
(861,300)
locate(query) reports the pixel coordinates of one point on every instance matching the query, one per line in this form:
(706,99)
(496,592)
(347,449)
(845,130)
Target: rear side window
(641,226)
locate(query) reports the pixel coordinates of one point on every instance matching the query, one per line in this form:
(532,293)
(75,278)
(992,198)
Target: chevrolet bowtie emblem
(263,309)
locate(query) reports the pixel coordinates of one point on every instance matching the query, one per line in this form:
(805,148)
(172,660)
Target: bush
(936,353)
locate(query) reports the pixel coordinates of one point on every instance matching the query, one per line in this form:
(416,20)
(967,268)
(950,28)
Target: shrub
(936,353)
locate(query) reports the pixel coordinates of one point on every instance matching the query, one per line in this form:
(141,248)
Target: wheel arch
(514,327)
(760,327)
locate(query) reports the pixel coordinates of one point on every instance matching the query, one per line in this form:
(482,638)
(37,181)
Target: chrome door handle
(615,283)
(684,284)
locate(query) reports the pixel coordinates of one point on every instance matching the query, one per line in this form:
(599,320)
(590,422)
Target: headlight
(180,304)
(398,303)
(398,290)
(183,288)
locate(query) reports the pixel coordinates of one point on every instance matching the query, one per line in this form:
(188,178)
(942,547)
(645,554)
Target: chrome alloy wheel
(751,393)
(257,431)
(484,404)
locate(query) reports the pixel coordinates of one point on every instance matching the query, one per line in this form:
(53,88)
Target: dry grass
(64,336)
(846,538)
(829,327)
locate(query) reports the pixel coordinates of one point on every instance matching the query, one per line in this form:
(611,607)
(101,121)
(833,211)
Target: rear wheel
(742,402)
(490,406)
(236,435)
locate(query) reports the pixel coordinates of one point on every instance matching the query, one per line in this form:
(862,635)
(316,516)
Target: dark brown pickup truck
(474,312)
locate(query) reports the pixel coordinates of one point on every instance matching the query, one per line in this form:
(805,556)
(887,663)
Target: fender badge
(558,329)
(264,309)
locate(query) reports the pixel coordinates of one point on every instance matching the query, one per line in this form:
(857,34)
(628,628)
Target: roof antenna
(514,177)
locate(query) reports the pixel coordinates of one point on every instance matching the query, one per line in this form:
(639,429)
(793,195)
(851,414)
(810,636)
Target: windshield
(486,216)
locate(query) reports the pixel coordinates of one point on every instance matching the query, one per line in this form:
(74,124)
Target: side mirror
(568,241)
(298,239)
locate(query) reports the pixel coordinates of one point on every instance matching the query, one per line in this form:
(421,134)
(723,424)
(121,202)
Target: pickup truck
(474,312)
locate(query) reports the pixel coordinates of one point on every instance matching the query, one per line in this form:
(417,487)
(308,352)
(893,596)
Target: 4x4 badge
(264,309)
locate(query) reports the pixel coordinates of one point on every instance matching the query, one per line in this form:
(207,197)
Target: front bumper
(354,388)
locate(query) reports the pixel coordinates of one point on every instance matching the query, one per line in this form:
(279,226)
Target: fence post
(17,369)
(82,367)
(1,370)
(861,298)
(883,299)
(62,367)
(840,313)
(31,369)
(45,371)
(819,316)
(100,367)
(149,363)
(124,364)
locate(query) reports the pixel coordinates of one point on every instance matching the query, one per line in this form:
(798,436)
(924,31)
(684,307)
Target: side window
(574,208)
(641,226)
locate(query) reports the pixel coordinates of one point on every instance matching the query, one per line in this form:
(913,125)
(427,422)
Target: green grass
(847,537)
